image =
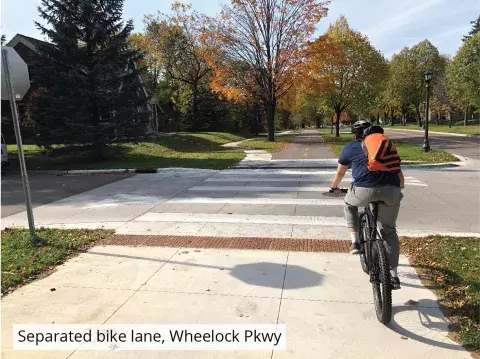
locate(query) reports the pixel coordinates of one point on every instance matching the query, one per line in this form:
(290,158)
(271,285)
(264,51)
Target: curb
(435,132)
(180,169)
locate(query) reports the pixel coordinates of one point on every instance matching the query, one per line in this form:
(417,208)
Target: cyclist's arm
(402,179)
(341,170)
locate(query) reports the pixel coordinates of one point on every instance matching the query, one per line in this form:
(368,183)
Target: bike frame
(373,214)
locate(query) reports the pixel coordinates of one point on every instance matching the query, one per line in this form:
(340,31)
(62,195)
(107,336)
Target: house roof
(31,42)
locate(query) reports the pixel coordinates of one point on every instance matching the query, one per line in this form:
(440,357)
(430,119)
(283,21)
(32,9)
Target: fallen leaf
(404,337)
(52,289)
(411,302)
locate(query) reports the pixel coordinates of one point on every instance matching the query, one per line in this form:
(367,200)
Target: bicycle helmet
(360,126)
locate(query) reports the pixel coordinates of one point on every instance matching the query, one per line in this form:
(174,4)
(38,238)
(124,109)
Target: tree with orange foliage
(256,49)
(174,41)
(345,68)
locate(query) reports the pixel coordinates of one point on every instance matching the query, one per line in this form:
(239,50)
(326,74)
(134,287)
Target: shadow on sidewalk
(424,323)
(257,274)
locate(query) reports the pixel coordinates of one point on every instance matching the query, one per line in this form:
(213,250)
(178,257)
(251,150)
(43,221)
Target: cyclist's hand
(335,190)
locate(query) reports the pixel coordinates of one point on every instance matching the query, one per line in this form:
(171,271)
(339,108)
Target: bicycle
(374,262)
(373,258)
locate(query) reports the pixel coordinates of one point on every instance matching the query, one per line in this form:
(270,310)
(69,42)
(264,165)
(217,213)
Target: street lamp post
(428,77)
(423,122)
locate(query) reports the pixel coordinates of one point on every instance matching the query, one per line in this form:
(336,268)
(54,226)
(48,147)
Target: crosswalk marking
(257,179)
(268,201)
(259,189)
(242,218)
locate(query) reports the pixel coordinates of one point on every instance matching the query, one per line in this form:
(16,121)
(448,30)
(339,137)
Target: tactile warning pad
(274,244)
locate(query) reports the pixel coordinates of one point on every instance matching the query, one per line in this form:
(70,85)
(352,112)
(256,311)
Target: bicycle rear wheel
(382,289)
(364,233)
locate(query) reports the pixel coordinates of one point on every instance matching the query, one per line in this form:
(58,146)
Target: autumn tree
(402,82)
(441,103)
(424,56)
(256,49)
(345,68)
(463,75)
(173,42)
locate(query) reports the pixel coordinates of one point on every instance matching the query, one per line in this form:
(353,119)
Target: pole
(426,144)
(21,156)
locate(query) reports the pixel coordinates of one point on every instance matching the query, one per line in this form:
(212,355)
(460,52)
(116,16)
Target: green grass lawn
(262,143)
(23,260)
(408,153)
(194,150)
(452,266)
(467,130)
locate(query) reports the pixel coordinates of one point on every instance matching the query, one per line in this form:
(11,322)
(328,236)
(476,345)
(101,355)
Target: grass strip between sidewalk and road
(408,153)
(192,150)
(473,130)
(24,261)
(281,143)
(451,265)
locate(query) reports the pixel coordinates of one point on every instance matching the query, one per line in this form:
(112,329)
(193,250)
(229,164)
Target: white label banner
(149,337)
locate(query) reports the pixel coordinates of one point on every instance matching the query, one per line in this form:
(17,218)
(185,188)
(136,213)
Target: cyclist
(369,186)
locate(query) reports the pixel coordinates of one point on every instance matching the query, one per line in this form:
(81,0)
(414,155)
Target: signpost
(15,84)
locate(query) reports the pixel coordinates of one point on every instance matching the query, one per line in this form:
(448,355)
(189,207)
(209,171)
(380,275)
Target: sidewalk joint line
(281,297)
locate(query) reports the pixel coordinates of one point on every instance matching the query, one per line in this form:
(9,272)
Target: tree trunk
(378,119)
(331,127)
(450,114)
(194,106)
(337,123)
(465,116)
(419,116)
(271,121)
(98,144)
(392,119)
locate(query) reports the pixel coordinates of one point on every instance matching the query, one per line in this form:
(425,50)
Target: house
(26,48)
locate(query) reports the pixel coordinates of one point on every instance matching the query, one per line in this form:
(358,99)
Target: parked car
(4,153)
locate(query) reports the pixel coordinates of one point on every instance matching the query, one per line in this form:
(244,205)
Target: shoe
(355,248)
(395,283)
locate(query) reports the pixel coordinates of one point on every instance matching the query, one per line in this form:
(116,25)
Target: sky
(389,24)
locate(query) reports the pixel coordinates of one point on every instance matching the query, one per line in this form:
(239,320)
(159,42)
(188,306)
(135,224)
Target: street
(46,189)
(459,145)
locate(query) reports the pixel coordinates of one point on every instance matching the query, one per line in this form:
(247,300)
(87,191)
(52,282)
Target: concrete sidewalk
(324,299)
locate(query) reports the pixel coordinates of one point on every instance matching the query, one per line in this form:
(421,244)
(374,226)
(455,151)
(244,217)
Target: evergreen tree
(475,28)
(90,90)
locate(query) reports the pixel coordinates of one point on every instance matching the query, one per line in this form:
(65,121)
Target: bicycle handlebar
(341,190)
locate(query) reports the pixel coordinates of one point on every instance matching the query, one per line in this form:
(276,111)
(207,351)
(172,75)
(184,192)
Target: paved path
(307,145)
(463,146)
(323,298)
(46,189)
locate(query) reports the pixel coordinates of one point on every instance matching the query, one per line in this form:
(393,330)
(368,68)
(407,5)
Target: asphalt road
(462,146)
(46,189)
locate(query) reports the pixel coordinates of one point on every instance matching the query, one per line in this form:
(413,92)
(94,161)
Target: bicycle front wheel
(381,284)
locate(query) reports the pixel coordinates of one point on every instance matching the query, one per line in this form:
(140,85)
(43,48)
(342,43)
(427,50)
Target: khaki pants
(390,197)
